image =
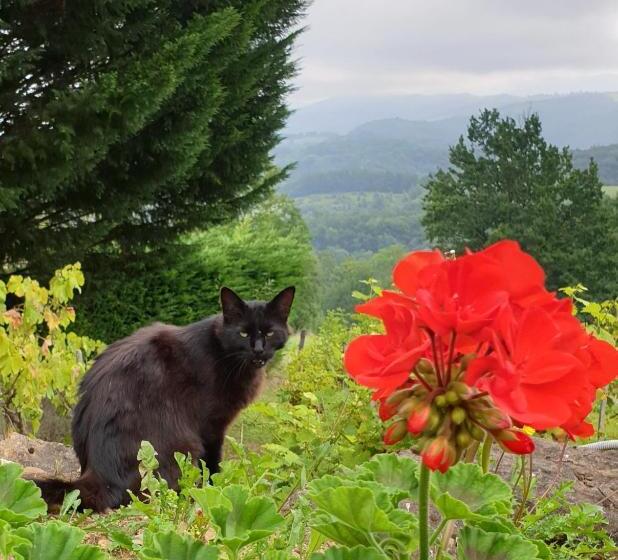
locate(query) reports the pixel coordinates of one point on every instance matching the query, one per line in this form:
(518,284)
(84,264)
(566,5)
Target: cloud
(442,46)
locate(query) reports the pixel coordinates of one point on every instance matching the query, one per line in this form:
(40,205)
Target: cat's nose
(258,349)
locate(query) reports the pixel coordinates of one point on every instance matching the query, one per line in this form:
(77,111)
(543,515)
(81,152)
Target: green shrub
(38,358)
(257,255)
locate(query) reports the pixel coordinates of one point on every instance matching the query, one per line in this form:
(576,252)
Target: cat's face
(253,331)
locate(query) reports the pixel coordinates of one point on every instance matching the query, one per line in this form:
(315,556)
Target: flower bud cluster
(445,419)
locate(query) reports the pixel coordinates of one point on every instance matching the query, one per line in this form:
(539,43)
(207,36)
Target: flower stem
(486,453)
(436,362)
(451,353)
(423,512)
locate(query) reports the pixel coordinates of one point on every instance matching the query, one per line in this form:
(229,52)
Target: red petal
(406,271)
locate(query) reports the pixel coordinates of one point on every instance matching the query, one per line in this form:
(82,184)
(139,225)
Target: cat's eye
(269,334)
(243,334)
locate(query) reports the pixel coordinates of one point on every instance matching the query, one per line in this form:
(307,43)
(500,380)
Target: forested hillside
(606,157)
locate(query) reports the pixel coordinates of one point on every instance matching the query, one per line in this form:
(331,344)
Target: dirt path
(594,473)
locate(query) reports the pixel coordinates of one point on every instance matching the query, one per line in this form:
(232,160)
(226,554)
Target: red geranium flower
(384,361)
(530,375)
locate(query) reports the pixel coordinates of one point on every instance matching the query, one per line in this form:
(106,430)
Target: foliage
(606,157)
(126,124)
(262,252)
(341,276)
(38,358)
(506,181)
(570,530)
(358,222)
(601,319)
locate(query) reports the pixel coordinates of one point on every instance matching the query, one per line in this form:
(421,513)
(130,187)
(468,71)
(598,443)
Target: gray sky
(454,46)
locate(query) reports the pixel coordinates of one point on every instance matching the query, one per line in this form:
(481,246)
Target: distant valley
(389,145)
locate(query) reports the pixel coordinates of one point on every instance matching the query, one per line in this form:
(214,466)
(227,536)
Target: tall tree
(126,122)
(506,181)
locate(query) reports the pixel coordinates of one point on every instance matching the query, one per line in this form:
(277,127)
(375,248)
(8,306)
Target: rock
(40,457)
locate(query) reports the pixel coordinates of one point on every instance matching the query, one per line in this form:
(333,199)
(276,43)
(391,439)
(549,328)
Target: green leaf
(239,520)
(20,500)
(464,492)
(55,540)
(209,497)
(356,553)
(172,546)
(394,472)
(351,516)
(9,542)
(476,544)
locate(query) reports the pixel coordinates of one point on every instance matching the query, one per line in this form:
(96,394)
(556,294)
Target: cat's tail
(53,490)
(93,494)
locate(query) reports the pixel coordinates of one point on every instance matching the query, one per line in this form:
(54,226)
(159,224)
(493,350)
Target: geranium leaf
(464,492)
(476,544)
(170,545)
(9,541)
(394,472)
(55,540)
(356,553)
(20,500)
(240,520)
(351,516)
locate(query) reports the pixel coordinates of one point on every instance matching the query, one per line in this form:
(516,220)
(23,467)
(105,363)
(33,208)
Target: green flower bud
(477,432)
(451,397)
(424,366)
(398,396)
(435,419)
(440,401)
(463,438)
(458,415)
(407,406)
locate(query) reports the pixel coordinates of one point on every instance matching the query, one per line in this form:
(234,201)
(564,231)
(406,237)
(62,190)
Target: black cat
(177,387)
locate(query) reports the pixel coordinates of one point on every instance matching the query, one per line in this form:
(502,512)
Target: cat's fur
(177,387)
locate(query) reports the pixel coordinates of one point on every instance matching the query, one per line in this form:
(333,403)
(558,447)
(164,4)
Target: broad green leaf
(386,498)
(394,472)
(9,542)
(476,544)
(248,520)
(464,492)
(172,546)
(344,553)
(20,500)
(55,540)
(210,497)
(277,555)
(351,516)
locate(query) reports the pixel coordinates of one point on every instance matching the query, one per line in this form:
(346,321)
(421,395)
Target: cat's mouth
(259,362)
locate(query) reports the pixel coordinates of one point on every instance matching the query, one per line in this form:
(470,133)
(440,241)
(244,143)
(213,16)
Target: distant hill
(394,154)
(606,158)
(578,120)
(341,115)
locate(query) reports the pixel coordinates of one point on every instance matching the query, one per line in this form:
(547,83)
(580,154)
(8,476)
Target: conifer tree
(126,122)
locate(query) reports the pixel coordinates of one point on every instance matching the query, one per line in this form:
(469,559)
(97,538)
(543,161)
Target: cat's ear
(281,304)
(232,306)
